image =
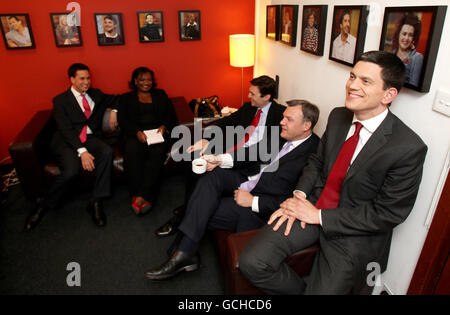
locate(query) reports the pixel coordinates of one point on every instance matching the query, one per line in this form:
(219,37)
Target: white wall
(322,82)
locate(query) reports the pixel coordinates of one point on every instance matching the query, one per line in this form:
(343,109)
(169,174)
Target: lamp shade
(242,50)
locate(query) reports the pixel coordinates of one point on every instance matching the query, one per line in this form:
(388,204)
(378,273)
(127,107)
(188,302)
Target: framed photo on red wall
(16,31)
(189,25)
(414,34)
(66,29)
(150,26)
(109,29)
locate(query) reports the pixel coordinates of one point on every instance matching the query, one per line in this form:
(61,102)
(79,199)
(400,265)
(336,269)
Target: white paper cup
(199,166)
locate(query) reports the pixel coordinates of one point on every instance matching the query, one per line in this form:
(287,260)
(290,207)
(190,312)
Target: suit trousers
(212,206)
(70,166)
(143,164)
(263,260)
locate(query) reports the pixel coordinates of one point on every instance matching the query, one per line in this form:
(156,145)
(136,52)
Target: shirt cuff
(320,216)
(296,191)
(255,204)
(114,110)
(227,160)
(81,151)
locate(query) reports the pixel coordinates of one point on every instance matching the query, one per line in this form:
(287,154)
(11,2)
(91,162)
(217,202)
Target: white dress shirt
(344,50)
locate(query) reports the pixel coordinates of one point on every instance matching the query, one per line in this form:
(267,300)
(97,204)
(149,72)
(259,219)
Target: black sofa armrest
(29,150)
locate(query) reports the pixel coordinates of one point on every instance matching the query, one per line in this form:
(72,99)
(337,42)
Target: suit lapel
(376,141)
(339,139)
(74,104)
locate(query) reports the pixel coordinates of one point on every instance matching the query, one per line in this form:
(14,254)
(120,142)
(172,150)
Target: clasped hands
(292,209)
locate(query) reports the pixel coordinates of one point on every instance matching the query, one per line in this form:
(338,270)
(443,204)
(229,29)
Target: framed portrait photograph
(189,25)
(273,22)
(348,33)
(288,27)
(150,25)
(16,30)
(314,24)
(109,29)
(65,29)
(414,34)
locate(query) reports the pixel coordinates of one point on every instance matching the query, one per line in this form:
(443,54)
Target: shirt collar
(266,108)
(75,92)
(296,143)
(373,123)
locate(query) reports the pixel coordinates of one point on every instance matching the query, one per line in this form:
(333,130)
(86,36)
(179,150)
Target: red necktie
(247,136)
(87,113)
(331,194)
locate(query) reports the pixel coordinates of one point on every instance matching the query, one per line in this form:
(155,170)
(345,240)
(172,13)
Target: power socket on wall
(442,102)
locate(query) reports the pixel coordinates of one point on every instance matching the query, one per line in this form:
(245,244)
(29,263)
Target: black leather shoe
(96,210)
(167,229)
(180,261)
(35,217)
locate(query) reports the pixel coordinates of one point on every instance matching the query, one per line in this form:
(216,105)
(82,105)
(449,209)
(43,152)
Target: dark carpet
(112,259)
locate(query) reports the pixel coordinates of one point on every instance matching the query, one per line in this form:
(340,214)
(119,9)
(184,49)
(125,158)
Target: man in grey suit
(349,208)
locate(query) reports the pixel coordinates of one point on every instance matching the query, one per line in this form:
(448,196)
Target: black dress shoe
(98,216)
(180,261)
(170,227)
(35,217)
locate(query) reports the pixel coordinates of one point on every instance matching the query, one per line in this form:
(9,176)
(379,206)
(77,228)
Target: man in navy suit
(350,208)
(239,199)
(76,144)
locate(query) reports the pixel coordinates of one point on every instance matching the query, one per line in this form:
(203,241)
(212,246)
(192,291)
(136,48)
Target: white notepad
(153,136)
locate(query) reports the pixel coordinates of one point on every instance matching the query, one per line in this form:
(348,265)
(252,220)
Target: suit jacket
(135,116)
(378,192)
(276,186)
(70,119)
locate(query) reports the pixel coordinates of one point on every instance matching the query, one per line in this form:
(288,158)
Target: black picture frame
(273,22)
(106,19)
(189,25)
(347,52)
(288,25)
(152,30)
(423,46)
(312,39)
(12,38)
(68,34)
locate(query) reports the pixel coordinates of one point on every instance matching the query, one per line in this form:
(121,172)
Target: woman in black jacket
(144,108)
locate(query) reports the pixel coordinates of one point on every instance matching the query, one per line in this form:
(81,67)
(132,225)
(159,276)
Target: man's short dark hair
(266,85)
(76,67)
(392,68)
(310,111)
(344,13)
(109,17)
(15,17)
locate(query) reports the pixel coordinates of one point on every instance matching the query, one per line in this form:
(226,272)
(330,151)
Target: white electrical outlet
(442,102)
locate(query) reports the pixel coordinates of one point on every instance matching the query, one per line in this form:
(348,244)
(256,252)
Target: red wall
(30,78)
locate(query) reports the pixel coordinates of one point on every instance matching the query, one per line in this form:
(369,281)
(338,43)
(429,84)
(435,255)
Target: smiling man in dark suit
(262,112)
(240,199)
(76,144)
(362,182)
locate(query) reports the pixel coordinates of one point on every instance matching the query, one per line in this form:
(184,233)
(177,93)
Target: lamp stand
(242,85)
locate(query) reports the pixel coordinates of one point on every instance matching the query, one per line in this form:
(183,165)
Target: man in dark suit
(241,200)
(76,144)
(362,182)
(262,111)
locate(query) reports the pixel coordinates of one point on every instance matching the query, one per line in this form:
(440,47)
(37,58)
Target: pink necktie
(251,184)
(87,114)
(331,194)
